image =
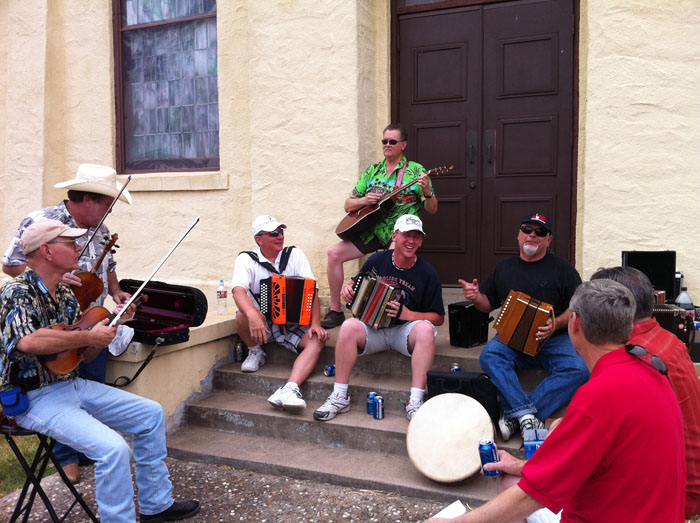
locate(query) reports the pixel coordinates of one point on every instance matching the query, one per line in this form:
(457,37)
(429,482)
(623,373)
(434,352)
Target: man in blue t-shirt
(548,278)
(417,314)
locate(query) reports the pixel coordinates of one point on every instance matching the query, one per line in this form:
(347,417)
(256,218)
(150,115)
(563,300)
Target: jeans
(95,370)
(87,415)
(567,372)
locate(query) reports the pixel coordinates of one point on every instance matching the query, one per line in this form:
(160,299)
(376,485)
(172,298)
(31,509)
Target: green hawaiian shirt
(25,307)
(409,201)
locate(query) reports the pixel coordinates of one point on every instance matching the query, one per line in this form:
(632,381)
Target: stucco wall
(303,95)
(639,134)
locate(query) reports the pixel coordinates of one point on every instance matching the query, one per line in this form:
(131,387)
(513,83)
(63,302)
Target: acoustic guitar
(357,222)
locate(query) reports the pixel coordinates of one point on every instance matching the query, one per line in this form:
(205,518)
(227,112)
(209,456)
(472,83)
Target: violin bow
(104,216)
(136,294)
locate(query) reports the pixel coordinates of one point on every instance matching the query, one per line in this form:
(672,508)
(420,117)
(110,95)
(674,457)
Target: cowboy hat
(98,179)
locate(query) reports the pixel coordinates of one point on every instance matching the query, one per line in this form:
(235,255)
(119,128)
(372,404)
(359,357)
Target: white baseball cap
(266,223)
(45,231)
(409,222)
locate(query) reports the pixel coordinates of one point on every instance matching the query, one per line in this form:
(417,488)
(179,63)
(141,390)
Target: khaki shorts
(391,338)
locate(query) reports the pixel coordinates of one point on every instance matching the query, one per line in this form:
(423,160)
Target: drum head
(443,437)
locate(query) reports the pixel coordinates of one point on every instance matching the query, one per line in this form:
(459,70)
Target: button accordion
(371,298)
(519,319)
(287,299)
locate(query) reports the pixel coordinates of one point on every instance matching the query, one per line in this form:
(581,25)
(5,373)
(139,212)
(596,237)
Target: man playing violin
(90,195)
(87,415)
(378,179)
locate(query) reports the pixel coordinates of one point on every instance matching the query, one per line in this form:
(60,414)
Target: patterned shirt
(25,307)
(15,256)
(408,201)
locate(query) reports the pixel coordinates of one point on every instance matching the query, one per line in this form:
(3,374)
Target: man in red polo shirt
(618,454)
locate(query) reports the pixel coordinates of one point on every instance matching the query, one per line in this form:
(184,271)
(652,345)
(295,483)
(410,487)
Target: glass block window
(168,99)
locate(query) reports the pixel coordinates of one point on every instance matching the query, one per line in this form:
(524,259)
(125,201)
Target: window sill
(178,181)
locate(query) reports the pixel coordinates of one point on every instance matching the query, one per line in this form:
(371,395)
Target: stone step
(341,466)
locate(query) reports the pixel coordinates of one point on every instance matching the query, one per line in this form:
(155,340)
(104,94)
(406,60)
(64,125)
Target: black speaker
(468,325)
(660,268)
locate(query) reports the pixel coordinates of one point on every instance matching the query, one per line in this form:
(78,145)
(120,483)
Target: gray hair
(606,309)
(637,282)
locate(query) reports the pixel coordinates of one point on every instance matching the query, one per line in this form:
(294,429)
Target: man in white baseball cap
(416,315)
(273,258)
(87,415)
(90,194)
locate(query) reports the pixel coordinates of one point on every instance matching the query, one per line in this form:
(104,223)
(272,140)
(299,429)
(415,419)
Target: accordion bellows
(519,319)
(287,299)
(371,298)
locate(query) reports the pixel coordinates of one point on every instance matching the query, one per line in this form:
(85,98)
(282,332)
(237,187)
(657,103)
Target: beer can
(238,352)
(370,402)
(456,367)
(378,407)
(329,370)
(488,452)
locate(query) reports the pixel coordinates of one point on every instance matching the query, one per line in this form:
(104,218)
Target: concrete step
(341,466)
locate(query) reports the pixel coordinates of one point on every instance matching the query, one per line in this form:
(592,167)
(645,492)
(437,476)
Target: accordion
(519,319)
(371,298)
(287,299)
(676,320)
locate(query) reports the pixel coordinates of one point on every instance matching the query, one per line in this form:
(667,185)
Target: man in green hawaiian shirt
(392,172)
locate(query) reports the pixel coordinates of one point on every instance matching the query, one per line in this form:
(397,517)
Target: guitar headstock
(440,170)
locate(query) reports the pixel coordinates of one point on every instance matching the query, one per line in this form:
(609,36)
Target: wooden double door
(489,88)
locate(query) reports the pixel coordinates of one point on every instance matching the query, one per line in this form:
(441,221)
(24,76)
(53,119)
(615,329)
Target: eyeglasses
(526,229)
(272,234)
(654,362)
(69,242)
(391,142)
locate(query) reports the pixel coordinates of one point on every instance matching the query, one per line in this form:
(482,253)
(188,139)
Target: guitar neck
(406,185)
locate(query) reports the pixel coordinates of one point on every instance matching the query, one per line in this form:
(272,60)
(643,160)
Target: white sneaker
(412,407)
(255,360)
(287,398)
(334,405)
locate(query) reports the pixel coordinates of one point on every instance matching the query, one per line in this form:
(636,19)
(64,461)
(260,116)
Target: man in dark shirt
(549,278)
(417,314)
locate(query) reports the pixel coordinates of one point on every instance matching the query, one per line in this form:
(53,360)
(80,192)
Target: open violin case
(167,313)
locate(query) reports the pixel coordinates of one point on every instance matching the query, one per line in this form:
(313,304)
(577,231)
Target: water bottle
(684,302)
(221,298)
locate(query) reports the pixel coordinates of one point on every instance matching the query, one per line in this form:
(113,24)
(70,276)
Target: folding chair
(35,471)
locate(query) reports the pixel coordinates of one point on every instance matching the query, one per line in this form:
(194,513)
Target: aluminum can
(238,352)
(456,367)
(370,402)
(378,407)
(488,452)
(329,370)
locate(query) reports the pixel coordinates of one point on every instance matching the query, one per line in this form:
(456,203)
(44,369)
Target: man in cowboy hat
(90,194)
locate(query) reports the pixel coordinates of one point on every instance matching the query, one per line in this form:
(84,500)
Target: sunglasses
(391,142)
(526,229)
(69,242)
(654,362)
(272,234)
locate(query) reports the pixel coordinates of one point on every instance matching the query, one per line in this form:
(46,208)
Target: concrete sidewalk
(227,494)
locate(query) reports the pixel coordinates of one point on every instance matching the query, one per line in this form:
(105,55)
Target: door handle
(472,185)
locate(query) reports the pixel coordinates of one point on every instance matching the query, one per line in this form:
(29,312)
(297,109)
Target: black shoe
(332,319)
(177,511)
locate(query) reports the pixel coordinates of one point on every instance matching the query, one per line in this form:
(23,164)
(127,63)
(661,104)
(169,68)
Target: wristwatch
(429,196)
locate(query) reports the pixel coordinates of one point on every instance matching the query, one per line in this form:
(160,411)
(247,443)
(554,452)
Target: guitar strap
(399,177)
(286,253)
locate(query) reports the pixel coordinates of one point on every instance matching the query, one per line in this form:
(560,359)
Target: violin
(92,285)
(67,360)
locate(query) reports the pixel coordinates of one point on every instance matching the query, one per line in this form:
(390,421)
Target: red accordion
(287,299)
